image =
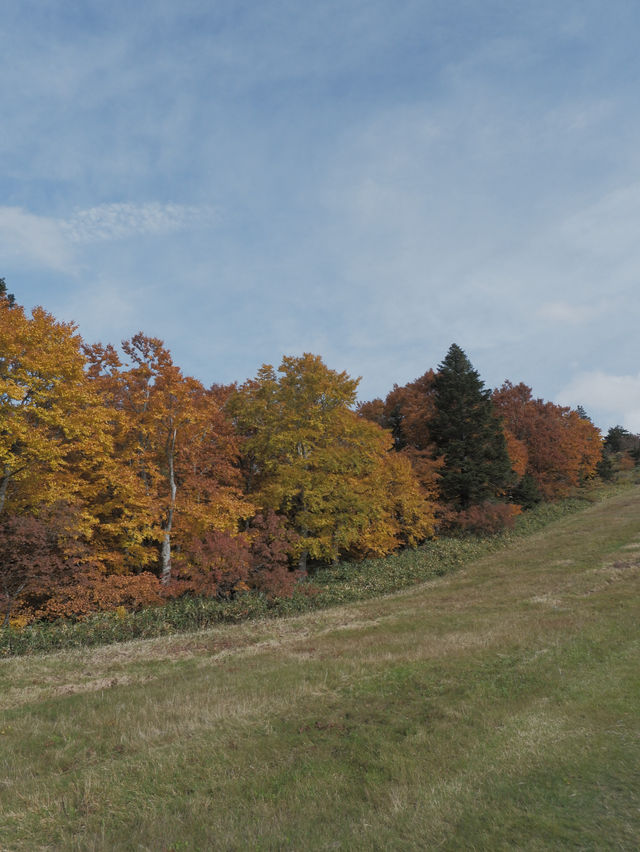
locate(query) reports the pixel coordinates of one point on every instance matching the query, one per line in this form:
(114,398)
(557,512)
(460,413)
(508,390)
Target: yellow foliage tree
(52,424)
(310,457)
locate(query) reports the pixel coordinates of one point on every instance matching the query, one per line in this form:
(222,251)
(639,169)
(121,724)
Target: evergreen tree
(605,468)
(582,414)
(468,434)
(526,492)
(614,442)
(11,299)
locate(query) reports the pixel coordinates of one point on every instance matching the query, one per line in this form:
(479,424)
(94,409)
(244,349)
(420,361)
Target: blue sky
(369,181)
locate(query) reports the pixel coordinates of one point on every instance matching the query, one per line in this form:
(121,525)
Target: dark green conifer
(615,440)
(4,295)
(582,414)
(468,434)
(526,492)
(605,468)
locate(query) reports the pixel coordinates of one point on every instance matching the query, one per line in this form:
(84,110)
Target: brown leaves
(556,445)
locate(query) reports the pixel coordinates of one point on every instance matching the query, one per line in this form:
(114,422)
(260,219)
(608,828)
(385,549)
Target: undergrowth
(343,583)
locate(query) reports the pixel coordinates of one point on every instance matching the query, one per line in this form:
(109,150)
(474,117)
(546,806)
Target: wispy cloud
(123,220)
(53,242)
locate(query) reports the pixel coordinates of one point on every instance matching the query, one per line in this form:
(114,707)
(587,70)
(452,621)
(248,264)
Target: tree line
(124,482)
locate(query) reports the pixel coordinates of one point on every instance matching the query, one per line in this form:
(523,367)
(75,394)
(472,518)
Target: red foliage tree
(215,565)
(561,447)
(38,555)
(272,546)
(29,559)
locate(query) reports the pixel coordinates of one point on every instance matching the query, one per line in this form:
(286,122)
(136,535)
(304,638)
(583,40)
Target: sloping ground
(495,708)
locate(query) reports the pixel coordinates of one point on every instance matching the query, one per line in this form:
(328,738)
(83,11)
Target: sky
(367,180)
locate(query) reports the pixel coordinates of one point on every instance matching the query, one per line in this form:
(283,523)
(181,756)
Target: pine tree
(469,436)
(526,492)
(614,440)
(582,414)
(11,299)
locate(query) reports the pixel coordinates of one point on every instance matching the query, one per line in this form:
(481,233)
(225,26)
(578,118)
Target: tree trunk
(165,577)
(166,557)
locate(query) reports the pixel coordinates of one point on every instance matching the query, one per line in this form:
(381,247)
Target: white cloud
(52,242)
(617,397)
(38,239)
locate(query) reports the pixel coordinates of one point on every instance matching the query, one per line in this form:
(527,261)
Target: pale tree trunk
(302,561)
(166,542)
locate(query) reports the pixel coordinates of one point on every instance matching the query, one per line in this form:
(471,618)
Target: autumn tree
(562,447)
(404,511)
(272,545)
(406,413)
(51,422)
(214,564)
(28,554)
(40,554)
(468,435)
(175,442)
(120,497)
(308,456)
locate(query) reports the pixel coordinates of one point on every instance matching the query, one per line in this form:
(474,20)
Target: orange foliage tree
(176,449)
(561,448)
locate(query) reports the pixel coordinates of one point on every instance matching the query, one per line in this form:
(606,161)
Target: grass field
(494,708)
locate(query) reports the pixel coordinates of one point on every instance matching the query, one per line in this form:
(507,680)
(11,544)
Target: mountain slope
(493,708)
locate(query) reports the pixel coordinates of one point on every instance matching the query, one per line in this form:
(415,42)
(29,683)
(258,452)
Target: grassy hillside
(494,708)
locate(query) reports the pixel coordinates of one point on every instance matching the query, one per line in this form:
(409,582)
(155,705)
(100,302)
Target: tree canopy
(125,482)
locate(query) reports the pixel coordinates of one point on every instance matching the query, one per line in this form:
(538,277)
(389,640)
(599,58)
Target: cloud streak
(125,220)
(52,242)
